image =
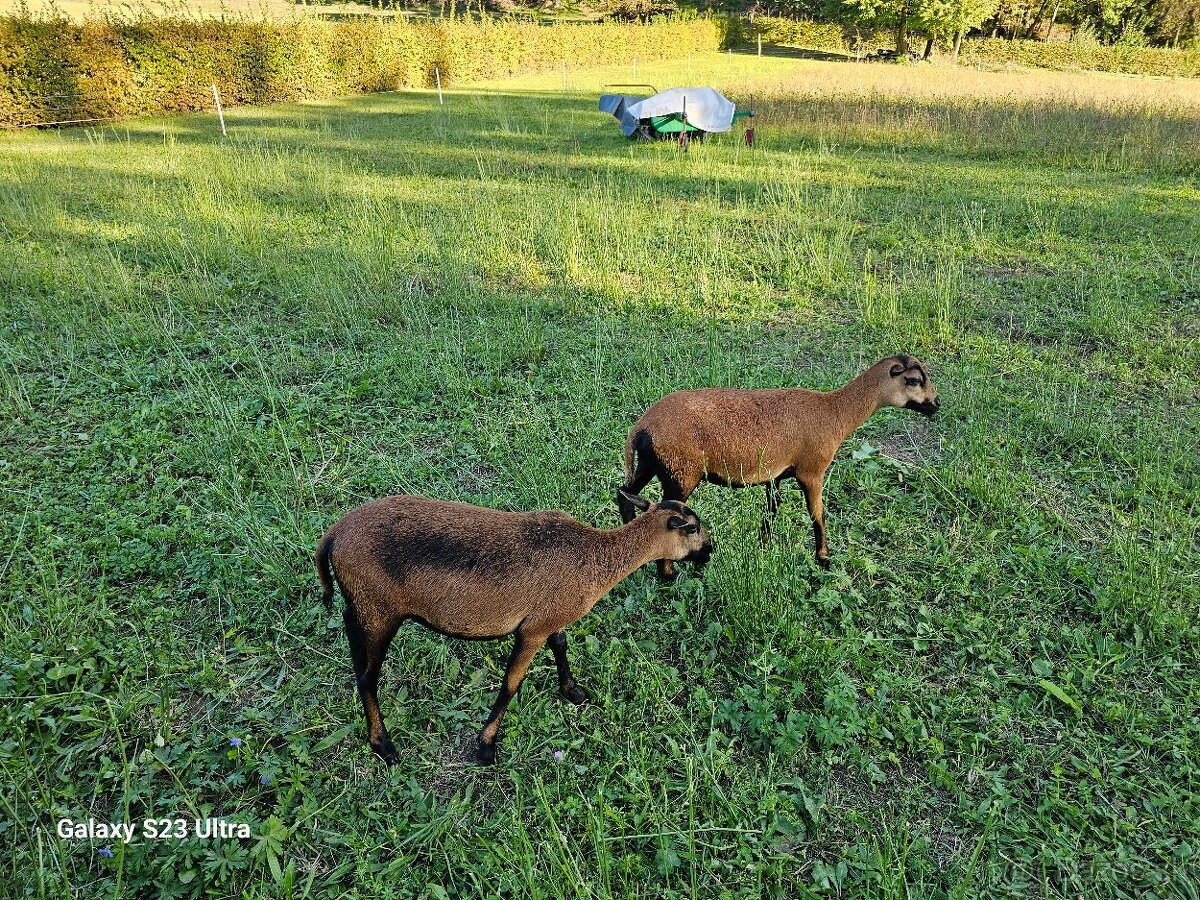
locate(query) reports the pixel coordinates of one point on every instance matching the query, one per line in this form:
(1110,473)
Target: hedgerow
(52,68)
(1071,54)
(800,33)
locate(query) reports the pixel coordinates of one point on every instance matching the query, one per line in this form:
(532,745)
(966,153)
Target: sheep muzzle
(925,407)
(700,557)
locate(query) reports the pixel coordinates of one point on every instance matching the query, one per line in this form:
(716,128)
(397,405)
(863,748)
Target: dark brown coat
(471,572)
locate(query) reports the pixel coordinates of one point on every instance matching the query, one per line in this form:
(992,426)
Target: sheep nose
(702,556)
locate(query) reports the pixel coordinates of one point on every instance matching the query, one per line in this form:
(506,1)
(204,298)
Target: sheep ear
(898,369)
(636,501)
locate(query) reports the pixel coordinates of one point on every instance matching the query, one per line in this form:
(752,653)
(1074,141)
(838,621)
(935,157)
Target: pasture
(261,10)
(212,348)
(80,10)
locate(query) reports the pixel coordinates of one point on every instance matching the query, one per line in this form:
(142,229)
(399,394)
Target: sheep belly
(466,607)
(734,472)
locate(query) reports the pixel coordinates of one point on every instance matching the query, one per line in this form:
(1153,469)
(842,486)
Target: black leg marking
(367,653)
(633,486)
(672,490)
(566,683)
(644,470)
(774,499)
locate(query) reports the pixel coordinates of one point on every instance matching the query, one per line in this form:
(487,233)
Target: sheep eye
(913,382)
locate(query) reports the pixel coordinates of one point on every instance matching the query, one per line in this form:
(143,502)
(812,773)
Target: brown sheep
(477,573)
(739,437)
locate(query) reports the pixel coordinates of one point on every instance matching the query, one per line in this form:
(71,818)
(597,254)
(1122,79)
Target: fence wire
(44,113)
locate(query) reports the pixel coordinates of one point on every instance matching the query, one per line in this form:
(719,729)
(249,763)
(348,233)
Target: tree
(951,18)
(894,14)
(1016,18)
(1177,21)
(1117,20)
(934,18)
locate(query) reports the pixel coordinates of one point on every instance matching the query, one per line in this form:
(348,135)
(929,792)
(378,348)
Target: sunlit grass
(213,348)
(80,10)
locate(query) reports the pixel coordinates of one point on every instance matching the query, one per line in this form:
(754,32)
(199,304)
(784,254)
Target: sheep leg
(673,489)
(523,651)
(816,509)
(640,478)
(566,684)
(367,651)
(774,499)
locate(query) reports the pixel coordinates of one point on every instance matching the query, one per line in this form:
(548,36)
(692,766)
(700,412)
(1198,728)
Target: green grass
(213,348)
(256,9)
(80,10)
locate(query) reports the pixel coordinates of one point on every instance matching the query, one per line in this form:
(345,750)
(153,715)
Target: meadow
(81,10)
(212,348)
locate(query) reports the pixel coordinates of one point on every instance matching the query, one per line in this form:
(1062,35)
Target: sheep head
(908,386)
(682,536)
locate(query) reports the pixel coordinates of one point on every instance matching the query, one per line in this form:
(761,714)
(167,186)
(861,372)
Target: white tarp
(707,109)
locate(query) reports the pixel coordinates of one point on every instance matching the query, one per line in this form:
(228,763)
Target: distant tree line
(1135,23)
(1160,23)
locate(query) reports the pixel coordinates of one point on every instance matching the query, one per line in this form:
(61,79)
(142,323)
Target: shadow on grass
(293,335)
(1044,134)
(782,51)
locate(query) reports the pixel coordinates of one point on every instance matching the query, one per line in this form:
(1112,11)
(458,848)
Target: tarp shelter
(707,111)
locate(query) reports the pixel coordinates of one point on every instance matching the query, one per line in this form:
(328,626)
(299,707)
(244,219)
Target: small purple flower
(235,742)
(264,779)
(104,851)
(559,755)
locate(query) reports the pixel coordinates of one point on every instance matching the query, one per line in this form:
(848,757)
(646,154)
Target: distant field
(212,348)
(273,9)
(254,9)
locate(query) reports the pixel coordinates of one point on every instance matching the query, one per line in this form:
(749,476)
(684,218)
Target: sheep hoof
(485,754)
(823,561)
(387,752)
(574,693)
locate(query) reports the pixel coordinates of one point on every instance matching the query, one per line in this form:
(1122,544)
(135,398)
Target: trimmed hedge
(799,33)
(1069,54)
(118,69)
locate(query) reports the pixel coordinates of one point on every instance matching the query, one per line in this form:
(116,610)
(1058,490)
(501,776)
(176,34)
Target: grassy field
(211,349)
(251,9)
(255,9)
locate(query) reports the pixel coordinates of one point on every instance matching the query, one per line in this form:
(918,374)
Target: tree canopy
(1170,23)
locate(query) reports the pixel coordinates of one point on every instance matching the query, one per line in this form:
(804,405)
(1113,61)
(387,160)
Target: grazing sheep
(477,573)
(739,437)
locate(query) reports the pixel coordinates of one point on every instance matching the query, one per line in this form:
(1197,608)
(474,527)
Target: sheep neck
(622,551)
(854,402)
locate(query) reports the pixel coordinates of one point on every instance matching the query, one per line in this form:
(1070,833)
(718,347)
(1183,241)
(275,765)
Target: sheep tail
(321,558)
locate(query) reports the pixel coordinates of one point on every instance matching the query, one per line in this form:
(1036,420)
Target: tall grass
(211,348)
(1054,118)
